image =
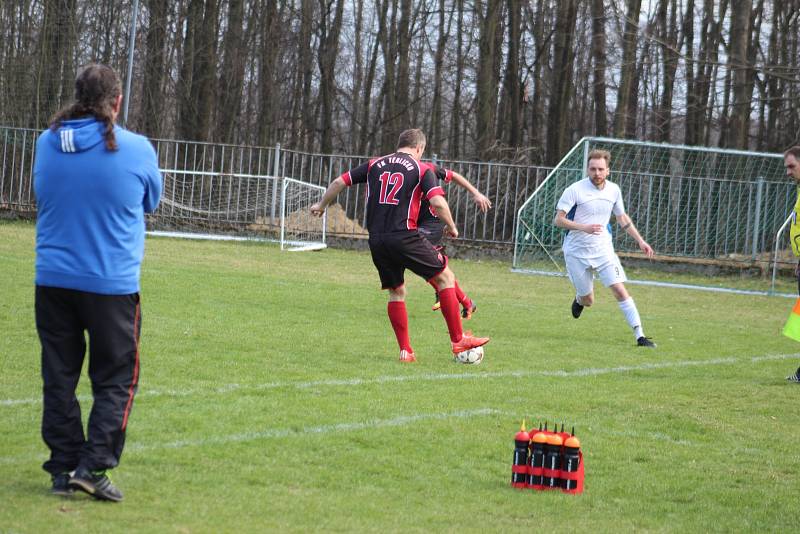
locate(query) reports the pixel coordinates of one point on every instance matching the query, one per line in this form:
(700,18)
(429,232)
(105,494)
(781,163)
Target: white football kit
(587,253)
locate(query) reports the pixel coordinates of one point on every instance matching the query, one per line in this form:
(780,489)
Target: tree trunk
(204,77)
(490,20)
(154,72)
(599,70)
(388,39)
(455,114)
(231,82)
(326,57)
(741,73)
(563,57)
(542,33)
(267,75)
(187,113)
(669,51)
(627,88)
(358,77)
(511,103)
(690,134)
(400,120)
(775,89)
(438,67)
(366,139)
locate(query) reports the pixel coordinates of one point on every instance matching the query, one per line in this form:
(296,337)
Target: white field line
(431,377)
(672,285)
(275,433)
(327,430)
(339,428)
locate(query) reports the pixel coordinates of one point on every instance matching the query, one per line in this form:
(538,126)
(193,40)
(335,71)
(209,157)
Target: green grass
(271,400)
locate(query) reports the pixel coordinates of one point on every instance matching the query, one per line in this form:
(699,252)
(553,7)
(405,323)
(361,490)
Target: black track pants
(113,323)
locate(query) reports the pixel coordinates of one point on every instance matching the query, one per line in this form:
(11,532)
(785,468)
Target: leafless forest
(505,80)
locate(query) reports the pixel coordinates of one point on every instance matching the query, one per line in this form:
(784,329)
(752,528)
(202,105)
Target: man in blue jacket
(93,181)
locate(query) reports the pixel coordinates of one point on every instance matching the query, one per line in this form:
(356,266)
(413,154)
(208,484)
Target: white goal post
(300,230)
(238,207)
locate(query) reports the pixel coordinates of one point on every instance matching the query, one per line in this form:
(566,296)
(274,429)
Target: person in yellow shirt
(791,160)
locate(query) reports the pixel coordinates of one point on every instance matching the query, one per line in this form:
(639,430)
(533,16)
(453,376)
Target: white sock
(628,308)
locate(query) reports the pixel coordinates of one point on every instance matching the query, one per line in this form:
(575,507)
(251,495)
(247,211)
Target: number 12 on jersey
(390,185)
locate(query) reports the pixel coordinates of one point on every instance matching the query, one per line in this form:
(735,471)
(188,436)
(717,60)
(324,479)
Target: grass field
(271,400)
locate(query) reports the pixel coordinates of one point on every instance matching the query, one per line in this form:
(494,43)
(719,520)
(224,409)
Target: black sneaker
(436,303)
(95,483)
(794,377)
(645,342)
(577,309)
(467,311)
(61,485)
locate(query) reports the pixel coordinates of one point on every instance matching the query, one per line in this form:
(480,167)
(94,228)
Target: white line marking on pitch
(386,379)
(323,429)
(273,433)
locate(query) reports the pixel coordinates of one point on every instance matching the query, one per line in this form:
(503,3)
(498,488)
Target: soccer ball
(471,356)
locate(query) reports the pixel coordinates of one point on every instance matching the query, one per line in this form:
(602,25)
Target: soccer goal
(300,230)
(687,202)
(237,207)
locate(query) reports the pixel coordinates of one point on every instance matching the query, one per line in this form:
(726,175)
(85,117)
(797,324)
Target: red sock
(451,313)
(461,296)
(399,319)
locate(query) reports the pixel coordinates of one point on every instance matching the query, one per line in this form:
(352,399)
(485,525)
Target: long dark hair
(96,90)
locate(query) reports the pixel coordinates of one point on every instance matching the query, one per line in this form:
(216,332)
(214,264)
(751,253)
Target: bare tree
(438,67)
(269,22)
(511,98)
(54,69)
(328,48)
(479,75)
(154,69)
(742,73)
(563,56)
(626,94)
(460,65)
(670,47)
(231,79)
(599,70)
(487,80)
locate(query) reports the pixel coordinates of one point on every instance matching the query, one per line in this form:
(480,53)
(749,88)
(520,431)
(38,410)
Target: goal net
(300,230)
(234,206)
(689,203)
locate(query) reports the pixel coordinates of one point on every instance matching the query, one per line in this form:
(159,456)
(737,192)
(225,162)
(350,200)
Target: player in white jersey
(585,209)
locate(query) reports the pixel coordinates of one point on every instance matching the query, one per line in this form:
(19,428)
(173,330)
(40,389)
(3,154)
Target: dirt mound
(303,220)
(339,223)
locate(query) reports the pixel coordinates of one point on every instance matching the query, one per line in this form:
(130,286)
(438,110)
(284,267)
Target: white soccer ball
(471,356)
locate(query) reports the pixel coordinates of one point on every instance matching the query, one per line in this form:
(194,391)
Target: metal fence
(17,146)
(506,185)
(699,212)
(714,205)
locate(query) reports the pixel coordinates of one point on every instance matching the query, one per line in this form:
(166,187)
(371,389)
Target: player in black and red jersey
(432,228)
(396,185)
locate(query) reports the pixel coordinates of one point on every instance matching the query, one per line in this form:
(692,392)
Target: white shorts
(580,271)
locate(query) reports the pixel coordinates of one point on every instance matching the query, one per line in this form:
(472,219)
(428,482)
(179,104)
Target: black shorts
(433,233)
(393,253)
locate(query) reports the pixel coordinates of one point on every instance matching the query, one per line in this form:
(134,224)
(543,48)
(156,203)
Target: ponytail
(97,88)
